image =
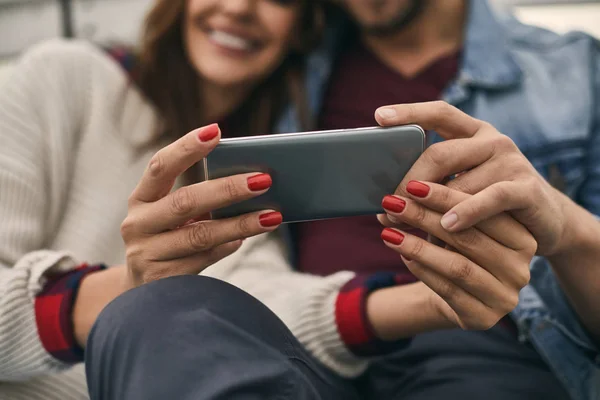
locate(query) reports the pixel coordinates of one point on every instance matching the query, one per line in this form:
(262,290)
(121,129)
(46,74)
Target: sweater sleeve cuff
(53,314)
(353,325)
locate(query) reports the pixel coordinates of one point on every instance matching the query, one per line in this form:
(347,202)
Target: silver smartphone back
(319,175)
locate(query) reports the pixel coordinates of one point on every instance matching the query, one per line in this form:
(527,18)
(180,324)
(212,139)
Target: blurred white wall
(563,17)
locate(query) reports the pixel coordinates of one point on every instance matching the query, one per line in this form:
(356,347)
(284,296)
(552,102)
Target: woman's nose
(238,7)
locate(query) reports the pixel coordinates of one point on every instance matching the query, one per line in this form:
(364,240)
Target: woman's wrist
(95,292)
(401,312)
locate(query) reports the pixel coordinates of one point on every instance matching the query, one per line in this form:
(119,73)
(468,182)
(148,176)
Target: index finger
(446,120)
(172,161)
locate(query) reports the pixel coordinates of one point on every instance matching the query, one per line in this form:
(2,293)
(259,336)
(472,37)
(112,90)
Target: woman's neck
(218,102)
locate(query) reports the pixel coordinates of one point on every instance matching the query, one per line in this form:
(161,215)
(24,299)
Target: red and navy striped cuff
(53,314)
(351,318)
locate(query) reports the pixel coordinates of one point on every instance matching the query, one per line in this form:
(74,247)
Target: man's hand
(490,167)
(478,276)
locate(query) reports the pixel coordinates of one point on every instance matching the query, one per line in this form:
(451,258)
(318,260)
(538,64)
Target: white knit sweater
(74,141)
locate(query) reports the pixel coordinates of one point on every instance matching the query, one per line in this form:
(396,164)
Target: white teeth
(228,40)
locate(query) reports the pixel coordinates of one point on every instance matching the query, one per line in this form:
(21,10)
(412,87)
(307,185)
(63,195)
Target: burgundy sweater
(360,84)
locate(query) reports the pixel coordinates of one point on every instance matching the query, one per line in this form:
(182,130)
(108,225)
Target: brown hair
(167,78)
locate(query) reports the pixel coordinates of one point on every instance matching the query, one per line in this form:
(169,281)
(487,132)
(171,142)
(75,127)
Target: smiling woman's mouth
(231,41)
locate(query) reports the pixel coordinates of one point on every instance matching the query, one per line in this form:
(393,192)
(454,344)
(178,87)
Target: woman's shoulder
(72,58)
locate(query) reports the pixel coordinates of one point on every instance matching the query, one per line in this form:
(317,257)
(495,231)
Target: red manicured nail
(208,133)
(417,189)
(393,203)
(260,182)
(392,236)
(271,219)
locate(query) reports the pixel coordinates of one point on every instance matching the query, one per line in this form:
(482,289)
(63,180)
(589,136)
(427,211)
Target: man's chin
(394,25)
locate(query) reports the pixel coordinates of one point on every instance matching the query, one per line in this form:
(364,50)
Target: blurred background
(25,22)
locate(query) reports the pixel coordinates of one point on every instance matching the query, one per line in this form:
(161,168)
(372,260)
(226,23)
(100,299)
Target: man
(525,84)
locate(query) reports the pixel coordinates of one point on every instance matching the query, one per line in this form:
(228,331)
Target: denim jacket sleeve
(544,315)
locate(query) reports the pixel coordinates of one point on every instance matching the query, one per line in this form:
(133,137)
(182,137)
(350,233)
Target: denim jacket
(543,91)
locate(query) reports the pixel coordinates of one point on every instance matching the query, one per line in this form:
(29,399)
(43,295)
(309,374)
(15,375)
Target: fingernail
(392,236)
(259,182)
(387,113)
(449,220)
(271,219)
(417,189)
(393,204)
(208,133)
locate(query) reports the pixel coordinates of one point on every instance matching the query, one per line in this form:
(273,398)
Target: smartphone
(319,175)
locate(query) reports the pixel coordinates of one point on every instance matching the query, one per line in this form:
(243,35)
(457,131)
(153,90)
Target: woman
(77,133)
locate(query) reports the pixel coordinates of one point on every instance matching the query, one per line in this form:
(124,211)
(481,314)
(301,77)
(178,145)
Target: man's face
(382,17)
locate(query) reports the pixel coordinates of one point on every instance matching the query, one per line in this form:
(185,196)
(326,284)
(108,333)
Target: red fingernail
(260,182)
(392,236)
(417,189)
(208,133)
(271,219)
(393,204)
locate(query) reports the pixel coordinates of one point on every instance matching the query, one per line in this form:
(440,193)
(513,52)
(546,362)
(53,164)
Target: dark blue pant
(198,338)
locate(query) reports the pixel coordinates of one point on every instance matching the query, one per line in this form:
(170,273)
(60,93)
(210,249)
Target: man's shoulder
(543,44)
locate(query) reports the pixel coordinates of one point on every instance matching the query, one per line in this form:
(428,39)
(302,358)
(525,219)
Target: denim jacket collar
(487,61)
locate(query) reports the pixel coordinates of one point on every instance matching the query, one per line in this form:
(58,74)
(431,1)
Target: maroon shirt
(360,84)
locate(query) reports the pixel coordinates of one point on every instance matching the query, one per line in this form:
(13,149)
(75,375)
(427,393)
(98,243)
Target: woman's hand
(167,233)
(476,279)
(492,169)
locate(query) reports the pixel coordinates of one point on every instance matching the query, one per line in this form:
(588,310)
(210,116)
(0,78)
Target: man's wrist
(581,233)
(404,311)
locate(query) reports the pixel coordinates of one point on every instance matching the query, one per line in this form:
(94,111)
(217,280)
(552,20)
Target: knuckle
(470,209)
(230,189)
(182,202)
(460,269)
(200,237)
(534,186)
(156,165)
(447,290)
(185,146)
(444,197)
(462,185)
(127,227)
(467,239)
(530,247)
(510,302)
(503,143)
(444,110)
(522,276)
(437,154)
(134,253)
(500,193)
(419,215)
(416,250)
(412,112)
(245,225)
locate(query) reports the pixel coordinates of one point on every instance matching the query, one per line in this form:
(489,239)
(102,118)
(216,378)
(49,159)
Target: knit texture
(75,137)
